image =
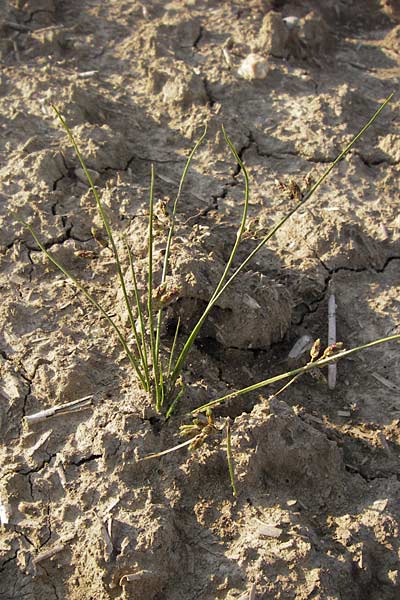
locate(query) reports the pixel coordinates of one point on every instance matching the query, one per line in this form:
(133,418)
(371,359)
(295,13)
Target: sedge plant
(163,376)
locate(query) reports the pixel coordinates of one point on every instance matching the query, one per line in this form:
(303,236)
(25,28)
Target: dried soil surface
(81,517)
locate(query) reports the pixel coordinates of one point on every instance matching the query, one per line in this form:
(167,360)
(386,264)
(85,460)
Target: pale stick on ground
(332,368)
(68,407)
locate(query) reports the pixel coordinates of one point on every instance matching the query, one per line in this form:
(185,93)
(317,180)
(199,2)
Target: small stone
(344,413)
(253,66)
(270,531)
(291,22)
(380,505)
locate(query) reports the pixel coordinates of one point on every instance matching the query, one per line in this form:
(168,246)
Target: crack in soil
(284,155)
(376,162)
(57,242)
(22,534)
(50,243)
(8,560)
(4,354)
(242,150)
(157,161)
(48,520)
(197,40)
(211,100)
(314,306)
(54,187)
(86,459)
(41,466)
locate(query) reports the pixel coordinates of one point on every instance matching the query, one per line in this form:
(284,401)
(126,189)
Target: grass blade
(175,205)
(154,357)
(173,347)
(195,331)
(134,362)
(311,365)
(244,213)
(173,404)
(142,345)
(105,222)
(171,234)
(185,350)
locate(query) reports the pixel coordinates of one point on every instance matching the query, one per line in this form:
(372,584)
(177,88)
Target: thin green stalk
(142,345)
(173,347)
(175,205)
(105,222)
(150,292)
(173,404)
(92,300)
(286,386)
(190,341)
(185,350)
(171,234)
(242,226)
(229,457)
(311,365)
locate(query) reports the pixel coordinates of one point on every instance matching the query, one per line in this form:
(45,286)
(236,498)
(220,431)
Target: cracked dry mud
(137,81)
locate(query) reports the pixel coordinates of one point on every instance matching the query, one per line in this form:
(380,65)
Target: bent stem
(109,235)
(141,318)
(221,288)
(171,232)
(134,362)
(190,341)
(154,357)
(322,362)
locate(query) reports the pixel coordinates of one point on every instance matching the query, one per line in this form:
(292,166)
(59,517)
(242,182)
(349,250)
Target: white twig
(48,553)
(108,545)
(68,407)
(332,368)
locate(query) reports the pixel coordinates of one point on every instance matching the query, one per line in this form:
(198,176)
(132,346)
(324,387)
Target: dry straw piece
(61,409)
(332,369)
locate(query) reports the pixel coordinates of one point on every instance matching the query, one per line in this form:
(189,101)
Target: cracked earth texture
(136,81)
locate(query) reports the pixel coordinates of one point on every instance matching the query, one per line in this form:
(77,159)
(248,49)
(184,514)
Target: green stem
(173,347)
(312,365)
(92,300)
(182,356)
(150,290)
(171,234)
(143,345)
(217,292)
(105,222)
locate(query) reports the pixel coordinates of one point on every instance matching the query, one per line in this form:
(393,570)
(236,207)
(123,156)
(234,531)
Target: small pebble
(253,66)
(291,22)
(344,413)
(270,531)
